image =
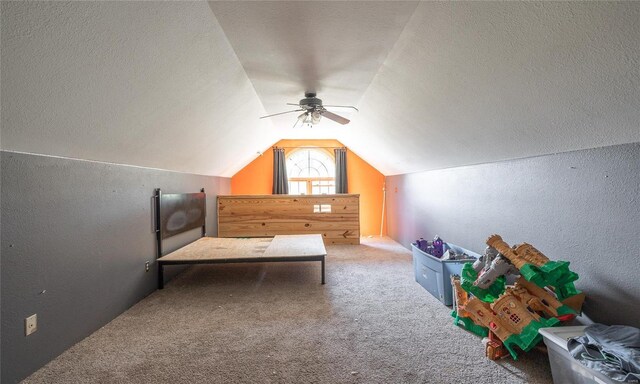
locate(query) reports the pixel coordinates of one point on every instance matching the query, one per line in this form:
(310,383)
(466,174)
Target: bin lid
(560,335)
(472,255)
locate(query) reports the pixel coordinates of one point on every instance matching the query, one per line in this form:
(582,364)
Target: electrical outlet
(30,324)
(146,266)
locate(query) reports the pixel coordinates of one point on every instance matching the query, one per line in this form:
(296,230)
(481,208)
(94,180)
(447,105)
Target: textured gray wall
(75,250)
(578,206)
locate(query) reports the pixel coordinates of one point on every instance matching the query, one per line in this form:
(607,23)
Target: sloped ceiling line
(263,110)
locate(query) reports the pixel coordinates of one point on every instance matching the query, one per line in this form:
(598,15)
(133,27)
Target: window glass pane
(323,187)
(297,187)
(310,165)
(313,172)
(294,170)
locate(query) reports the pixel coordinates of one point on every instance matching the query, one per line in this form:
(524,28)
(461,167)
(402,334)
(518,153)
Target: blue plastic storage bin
(435,275)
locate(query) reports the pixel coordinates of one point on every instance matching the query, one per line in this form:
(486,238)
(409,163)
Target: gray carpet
(275,323)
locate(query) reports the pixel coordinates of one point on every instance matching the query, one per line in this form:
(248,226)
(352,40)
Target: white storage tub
(564,368)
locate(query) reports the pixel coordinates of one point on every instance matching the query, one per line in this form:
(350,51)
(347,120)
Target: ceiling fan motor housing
(311,100)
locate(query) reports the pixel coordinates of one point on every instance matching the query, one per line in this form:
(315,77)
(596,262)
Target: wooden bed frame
(178,213)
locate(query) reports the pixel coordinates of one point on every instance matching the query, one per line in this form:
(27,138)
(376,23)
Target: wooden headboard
(335,217)
(176,213)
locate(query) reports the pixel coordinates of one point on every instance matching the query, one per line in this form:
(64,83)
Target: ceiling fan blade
(297,105)
(281,113)
(334,117)
(341,106)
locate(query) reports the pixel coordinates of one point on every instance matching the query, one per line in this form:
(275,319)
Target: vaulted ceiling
(180,85)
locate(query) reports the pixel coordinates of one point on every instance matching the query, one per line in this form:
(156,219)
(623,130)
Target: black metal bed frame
(181,203)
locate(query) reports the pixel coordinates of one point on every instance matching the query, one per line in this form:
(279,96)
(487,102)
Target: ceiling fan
(312,109)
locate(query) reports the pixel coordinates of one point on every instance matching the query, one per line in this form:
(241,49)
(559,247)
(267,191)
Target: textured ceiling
(475,82)
(332,48)
(152,84)
(180,85)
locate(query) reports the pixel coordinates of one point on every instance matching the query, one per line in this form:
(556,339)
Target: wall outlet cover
(30,324)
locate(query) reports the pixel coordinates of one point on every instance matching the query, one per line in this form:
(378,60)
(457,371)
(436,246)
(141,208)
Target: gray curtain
(280,182)
(341,170)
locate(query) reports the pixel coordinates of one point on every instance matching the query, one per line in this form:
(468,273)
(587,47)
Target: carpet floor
(275,323)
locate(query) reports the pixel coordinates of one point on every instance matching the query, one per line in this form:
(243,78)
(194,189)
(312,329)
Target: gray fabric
(613,350)
(280,181)
(341,170)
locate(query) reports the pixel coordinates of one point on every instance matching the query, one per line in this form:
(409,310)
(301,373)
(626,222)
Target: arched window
(311,172)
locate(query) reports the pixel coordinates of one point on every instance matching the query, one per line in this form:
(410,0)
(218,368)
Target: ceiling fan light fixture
(308,119)
(315,117)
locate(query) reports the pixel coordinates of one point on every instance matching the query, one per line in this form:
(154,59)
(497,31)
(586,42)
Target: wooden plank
(338,241)
(230,207)
(214,248)
(339,234)
(270,204)
(293,201)
(271,215)
(288,197)
(281,209)
(342,233)
(292,225)
(208,248)
(290,201)
(296,245)
(290,217)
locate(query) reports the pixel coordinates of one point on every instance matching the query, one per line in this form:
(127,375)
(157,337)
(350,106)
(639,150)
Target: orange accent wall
(256,179)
